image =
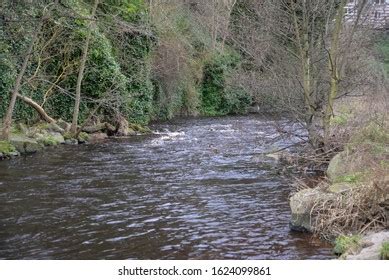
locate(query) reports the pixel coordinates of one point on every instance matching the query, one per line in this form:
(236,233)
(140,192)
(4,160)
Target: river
(198,189)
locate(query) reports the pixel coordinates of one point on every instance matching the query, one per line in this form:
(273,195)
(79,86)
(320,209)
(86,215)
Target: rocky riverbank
(31,139)
(354,198)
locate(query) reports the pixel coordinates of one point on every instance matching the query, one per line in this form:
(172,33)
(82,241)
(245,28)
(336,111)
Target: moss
(350,178)
(68,136)
(345,244)
(384,252)
(83,137)
(49,141)
(6,148)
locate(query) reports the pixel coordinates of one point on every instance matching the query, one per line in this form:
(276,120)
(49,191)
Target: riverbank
(352,202)
(32,139)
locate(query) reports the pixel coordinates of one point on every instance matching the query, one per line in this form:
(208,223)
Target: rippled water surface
(197,190)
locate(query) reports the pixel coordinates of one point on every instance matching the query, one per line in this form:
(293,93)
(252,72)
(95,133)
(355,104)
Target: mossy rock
(51,139)
(83,137)
(139,128)
(24,144)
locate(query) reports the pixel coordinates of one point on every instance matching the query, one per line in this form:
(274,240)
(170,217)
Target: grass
(385,251)
(344,243)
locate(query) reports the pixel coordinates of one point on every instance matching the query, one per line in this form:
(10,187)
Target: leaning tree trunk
(81,70)
(42,113)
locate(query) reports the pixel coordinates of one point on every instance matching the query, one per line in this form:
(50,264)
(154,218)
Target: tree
(82,69)
(297,50)
(18,83)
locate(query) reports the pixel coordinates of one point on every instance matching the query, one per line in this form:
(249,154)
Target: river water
(197,190)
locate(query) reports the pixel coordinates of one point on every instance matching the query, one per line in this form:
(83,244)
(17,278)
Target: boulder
(96,137)
(71,142)
(122,127)
(57,137)
(371,244)
(336,167)
(94,128)
(24,144)
(301,205)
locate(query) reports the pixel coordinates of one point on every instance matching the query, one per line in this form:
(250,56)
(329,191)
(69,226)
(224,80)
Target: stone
(64,125)
(371,244)
(94,128)
(336,167)
(53,127)
(71,142)
(301,205)
(122,127)
(24,144)
(98,136)
(56,136)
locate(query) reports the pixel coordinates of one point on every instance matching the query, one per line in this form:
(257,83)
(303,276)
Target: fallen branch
(37,107)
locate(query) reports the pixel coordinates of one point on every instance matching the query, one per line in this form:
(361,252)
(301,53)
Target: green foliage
(119,64)
(345,243)
(217,99)
(384,252)
(6,148)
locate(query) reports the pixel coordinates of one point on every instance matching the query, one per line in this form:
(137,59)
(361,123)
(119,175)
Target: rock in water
(96,137)
(24,144)
(122,127)
(301,205)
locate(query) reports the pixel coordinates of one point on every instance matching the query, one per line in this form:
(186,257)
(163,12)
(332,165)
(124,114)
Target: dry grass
(365,208)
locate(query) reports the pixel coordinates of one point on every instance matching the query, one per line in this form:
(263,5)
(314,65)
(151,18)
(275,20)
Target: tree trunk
(334,70)
(16,89)
(81,71)
(37,107)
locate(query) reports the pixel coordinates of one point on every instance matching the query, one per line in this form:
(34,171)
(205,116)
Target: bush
(217,98)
